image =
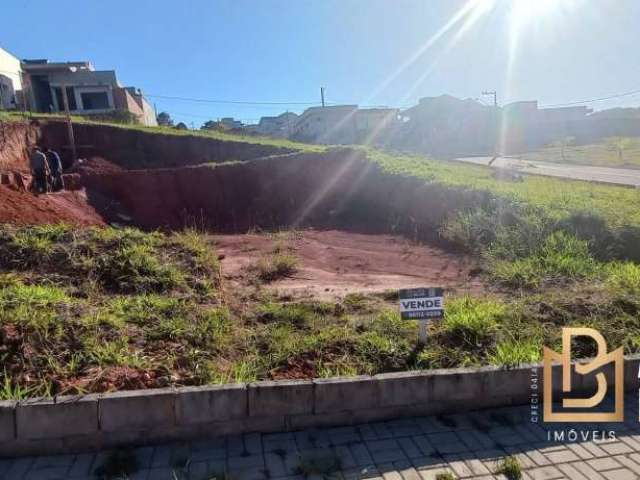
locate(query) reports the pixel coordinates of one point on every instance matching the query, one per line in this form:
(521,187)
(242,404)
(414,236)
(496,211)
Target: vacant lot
(95,310)
(87,309)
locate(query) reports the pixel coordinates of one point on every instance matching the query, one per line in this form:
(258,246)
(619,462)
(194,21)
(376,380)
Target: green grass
(551,197)
(623,279)
(471,319)
(610,152)
(511,353)
(560,258)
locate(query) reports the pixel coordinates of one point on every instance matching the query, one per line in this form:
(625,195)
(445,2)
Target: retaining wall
(70,424)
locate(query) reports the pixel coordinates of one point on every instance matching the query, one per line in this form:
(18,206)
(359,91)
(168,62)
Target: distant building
(374,124)
(279,127)
(448,126)
(229,123)
(343,124)
(525,126)
(329,125)
(10,81)
(88,91)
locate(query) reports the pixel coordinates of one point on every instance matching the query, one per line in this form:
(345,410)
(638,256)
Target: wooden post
(423,331)
(72,140)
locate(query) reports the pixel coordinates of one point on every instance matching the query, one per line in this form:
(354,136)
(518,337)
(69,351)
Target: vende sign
(421,303)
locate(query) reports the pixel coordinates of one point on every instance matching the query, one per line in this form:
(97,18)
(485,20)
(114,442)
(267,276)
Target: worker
(39,169)
(55,169)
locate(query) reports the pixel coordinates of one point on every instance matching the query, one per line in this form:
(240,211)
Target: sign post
(422,304)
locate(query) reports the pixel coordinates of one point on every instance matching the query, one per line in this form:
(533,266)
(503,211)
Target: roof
(44,65)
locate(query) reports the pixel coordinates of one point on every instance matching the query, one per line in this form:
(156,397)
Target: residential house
(280,126)
(524,126)
(10,81)
(448,126)
(88,91)
(376,125)
(230,123)
(328,125)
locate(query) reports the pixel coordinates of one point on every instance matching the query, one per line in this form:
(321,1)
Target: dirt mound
(23,207)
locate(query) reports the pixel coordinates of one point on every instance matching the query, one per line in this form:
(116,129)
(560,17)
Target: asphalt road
(620,176)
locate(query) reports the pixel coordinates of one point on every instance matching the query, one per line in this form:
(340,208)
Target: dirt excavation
(335,263)
(351,227)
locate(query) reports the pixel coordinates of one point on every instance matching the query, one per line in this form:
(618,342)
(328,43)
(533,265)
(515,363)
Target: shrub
(276,266)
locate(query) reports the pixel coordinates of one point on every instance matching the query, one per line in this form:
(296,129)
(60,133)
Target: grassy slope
(612,152)
(557,197)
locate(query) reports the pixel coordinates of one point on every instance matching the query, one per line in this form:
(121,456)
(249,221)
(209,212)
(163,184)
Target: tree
(164,119)
(182,126)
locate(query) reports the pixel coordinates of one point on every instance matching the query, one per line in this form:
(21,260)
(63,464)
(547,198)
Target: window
(71,98)
(95,100)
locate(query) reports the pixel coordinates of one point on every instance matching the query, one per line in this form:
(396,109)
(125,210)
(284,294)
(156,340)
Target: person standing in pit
(55,169)
(38,162)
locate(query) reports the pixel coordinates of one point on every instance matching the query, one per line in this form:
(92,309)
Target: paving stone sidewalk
(470,446)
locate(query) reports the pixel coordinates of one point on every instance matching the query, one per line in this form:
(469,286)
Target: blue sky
(284,50)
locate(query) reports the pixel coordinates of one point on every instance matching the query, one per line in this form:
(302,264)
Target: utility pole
(322,95)
(495,123)
(72,140)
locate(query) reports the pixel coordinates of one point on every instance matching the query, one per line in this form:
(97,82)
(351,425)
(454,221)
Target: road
(620,176)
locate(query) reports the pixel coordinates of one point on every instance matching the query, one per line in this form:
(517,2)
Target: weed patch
(276,266)
(510,468)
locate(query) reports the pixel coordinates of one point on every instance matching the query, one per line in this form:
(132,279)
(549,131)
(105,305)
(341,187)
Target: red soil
(23,207)
(334,263)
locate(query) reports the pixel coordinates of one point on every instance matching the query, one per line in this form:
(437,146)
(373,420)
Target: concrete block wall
(98,421)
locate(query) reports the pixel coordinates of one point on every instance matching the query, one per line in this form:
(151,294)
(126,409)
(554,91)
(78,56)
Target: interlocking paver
(447,442)
(602,464)
(471,446)
(620,474)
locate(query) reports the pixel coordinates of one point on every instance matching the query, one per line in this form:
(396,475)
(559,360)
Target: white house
(10,80)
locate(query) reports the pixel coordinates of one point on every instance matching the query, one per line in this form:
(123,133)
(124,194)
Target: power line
(610,97)
(230,102)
